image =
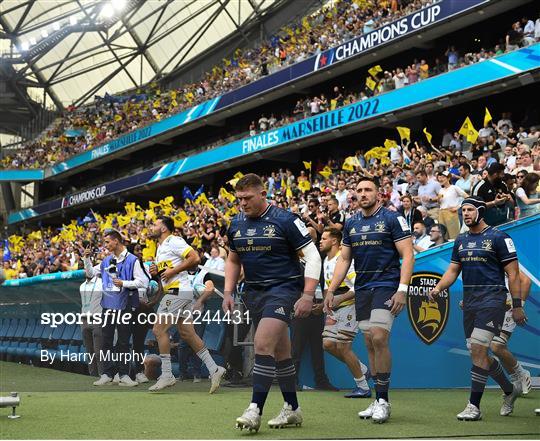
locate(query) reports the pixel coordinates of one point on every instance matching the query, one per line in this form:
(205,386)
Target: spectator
(496,195)
(437,234)
(450,197)
(421,240)
(411,214)
(514,37)
(528,198)
(428,194)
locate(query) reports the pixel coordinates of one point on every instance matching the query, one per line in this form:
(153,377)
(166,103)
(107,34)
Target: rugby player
(174,257)
(499,344)
(341,326)
(376,238)
(267,242)
(483,255)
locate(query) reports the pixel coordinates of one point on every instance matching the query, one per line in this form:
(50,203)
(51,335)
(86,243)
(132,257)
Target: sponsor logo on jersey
(353,230)
(251,232)
(366,228)
(428,319)
(237,234)
(471,245)
(280,311)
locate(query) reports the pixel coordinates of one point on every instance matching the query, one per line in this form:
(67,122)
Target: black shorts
(275,301)
(366,300)
(488,319)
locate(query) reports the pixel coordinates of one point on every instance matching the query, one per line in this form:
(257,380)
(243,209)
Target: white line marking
(506,66)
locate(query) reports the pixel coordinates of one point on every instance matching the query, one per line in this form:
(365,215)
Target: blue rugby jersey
(372,239)
(482,257)
(268,245)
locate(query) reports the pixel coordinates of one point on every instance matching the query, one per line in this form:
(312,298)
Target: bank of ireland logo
(428,319)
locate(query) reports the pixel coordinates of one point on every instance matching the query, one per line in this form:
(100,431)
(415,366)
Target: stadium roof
(75,49)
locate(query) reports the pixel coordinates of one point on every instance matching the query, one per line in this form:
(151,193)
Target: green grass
(57,404)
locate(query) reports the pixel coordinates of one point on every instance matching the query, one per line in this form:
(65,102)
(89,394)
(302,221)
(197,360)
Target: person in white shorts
(499,344)
(174,257)
(341,326)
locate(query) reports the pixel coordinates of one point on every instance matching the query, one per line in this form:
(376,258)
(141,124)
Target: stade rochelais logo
(428,319)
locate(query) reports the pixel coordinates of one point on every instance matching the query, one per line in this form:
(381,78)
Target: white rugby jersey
(170,253)
(329,266)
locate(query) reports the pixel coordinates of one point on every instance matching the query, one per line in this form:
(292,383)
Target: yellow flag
(152,204)
(467,129)
(180,219)
(326,172)
(167,201)
(123,220)
(429,136)
(118,117)
(333,104)
(373,71)
(197,242)
(404,133)
(150,214)
(288,192)
(232,183)
(238,175)
(226,195)
(389,143)
(130,208)
(305,23)
(304,186)
(347,167)
(353,160)
(487,117)
(149,251)
(202,199)
(370,83)
(307,165)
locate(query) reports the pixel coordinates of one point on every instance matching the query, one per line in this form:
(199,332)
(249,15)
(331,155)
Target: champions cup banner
(415,22)
(457,81)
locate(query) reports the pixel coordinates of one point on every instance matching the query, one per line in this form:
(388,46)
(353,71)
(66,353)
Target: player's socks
(166,369)
(479,377)
(207,359)
(382,383)
(286,375)
(518,369)
(496,372)
(361,382)
(264,372)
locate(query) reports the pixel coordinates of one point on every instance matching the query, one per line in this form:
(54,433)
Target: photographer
(121,275)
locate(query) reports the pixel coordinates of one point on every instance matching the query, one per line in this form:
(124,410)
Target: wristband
(403,287)
(516,303)
(308,296)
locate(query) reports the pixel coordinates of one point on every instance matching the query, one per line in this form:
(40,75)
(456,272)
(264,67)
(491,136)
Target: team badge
(487,245)
(380,227)
(349,317)
(269,231)
(428,319)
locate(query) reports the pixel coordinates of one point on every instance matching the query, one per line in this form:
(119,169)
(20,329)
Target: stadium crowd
(89,126)
(500,162)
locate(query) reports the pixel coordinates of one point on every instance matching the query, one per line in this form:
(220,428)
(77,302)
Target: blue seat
(4,326)
(39,329)
(77,335)
(15,341)
(23,341)
(214,333)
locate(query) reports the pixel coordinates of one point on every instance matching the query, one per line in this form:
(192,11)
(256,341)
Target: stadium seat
(27,352)
(15,340)
(15,350)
